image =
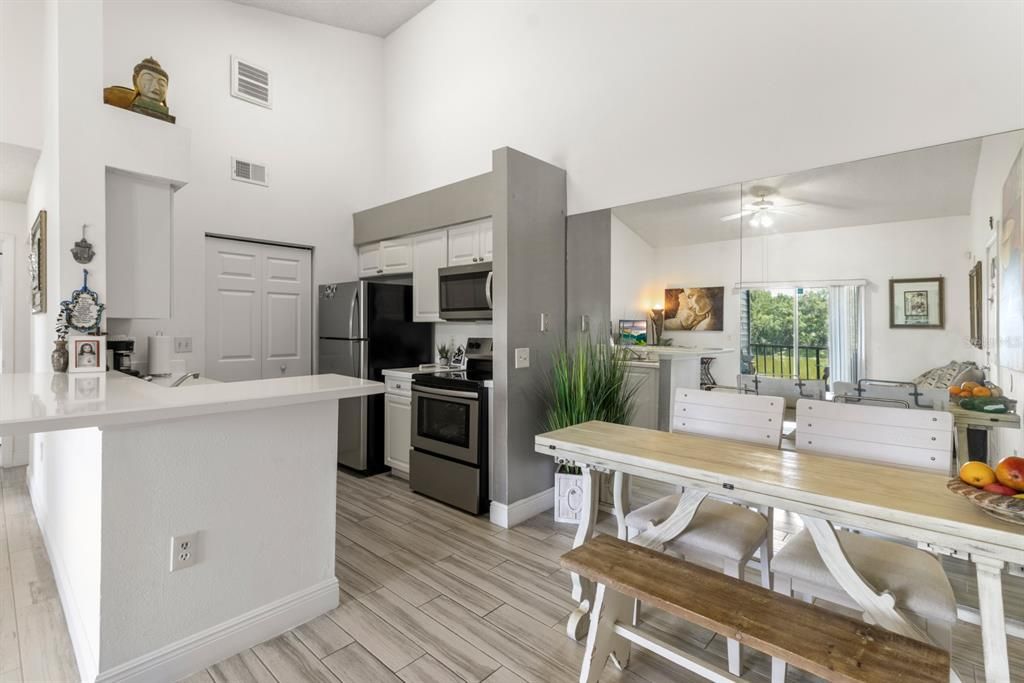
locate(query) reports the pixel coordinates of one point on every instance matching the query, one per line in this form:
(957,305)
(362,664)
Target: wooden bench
(826,644)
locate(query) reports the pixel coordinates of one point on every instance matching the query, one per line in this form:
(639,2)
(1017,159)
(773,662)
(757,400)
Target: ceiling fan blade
(741,214)
(784,212)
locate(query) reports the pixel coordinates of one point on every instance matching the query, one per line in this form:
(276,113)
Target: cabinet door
(369,260)
(397,432)
(463,244)
(429,253)
(486,241)
(396,256)
(646,381)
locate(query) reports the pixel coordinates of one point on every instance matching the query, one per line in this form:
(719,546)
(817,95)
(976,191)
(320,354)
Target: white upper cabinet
(139,220)
(369,260)
(429,253)
(470,243)
(396,256)
(386,258)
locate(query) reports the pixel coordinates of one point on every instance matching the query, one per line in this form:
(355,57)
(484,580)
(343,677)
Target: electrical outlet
(184,551)
(522,358)
(183,344)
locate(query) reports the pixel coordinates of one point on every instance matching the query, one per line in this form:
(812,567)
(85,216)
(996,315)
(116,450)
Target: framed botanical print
(37,263)
(917,302)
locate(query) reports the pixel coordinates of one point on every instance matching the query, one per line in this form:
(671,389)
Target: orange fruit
(977,474)
(954,391)
(981,391)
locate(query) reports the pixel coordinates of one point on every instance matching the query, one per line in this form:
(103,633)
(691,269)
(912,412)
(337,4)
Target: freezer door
(341,310)
(343,357)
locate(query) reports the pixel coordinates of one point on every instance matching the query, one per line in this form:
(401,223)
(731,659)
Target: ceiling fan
(762,210)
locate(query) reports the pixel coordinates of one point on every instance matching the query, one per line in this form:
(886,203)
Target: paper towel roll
(159,355)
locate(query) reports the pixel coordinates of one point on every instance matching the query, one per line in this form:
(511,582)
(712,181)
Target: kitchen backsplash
(446,333)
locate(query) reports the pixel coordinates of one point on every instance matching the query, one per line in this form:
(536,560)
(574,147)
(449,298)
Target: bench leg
(602,642)
(783,585)
(735,570)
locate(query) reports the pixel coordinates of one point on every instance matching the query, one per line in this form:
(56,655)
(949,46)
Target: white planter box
(568,497)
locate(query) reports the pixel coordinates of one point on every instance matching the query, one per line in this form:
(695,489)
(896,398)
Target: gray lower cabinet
(397,427)
(646,381)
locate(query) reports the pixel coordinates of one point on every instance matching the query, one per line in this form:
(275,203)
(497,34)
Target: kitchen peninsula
(245,470)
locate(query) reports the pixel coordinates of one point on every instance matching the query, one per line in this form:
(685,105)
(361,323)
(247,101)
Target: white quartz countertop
(46,402)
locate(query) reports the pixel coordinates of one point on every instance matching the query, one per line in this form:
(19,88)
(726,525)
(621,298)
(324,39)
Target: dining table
(824,491)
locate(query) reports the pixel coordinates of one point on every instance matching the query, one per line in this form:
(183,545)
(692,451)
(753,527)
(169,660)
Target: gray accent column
(529,250)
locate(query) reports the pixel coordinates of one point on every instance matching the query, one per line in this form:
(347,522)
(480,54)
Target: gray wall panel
(588,263)
(466,200)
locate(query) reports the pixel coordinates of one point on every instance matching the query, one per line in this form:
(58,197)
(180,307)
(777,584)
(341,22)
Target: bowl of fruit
(984,398)
(999,491)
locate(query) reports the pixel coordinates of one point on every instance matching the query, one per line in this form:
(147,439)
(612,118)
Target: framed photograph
(695,309)
(632,332)
(976,288)
(87,354)
(917,302)
(37,263)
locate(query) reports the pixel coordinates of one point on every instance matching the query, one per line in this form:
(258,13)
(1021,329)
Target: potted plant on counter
(588,382)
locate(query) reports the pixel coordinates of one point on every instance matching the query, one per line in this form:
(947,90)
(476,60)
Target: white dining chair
(721,533)
(912,439)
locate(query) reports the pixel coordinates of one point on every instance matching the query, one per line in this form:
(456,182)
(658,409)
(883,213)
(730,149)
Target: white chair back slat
(740,417)
(919,439)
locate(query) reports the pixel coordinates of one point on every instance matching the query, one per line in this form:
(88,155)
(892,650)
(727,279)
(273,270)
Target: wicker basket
(1006,508)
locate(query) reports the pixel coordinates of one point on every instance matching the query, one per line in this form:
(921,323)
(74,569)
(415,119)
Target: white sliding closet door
(258,310)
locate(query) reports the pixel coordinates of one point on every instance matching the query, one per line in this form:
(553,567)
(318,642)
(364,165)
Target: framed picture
(917,302)
(632,332)
(87,354)
(37,263)
(976,288)
(695,309)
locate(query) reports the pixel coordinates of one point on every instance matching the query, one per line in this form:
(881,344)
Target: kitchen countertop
(45,402)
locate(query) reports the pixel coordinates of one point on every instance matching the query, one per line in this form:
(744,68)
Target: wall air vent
(250,82)
(249,172)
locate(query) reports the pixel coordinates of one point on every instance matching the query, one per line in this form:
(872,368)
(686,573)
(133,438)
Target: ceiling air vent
(249,172)
(250,82)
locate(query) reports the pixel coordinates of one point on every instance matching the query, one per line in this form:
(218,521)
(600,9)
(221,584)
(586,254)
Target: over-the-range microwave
(465,292)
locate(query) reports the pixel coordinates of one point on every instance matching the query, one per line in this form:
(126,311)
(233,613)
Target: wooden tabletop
(835,488)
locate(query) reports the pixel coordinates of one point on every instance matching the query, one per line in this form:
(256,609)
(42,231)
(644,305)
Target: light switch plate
(522,358)
(183,344)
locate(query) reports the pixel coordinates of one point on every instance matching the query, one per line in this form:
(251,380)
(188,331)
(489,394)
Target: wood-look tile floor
(429,595)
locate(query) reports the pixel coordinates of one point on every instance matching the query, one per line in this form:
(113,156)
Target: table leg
(993,625)
(620,496)
(583,589)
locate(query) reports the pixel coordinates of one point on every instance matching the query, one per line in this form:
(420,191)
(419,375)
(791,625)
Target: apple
(1000,489)
(1010,472)
(977,474)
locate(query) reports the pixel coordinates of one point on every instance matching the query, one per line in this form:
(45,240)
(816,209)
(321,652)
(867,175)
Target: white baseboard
(189,655)
(508,516)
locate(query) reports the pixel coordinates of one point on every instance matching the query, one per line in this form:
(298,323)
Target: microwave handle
(487,289)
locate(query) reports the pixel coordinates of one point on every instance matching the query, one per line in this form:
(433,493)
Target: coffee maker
(121,354)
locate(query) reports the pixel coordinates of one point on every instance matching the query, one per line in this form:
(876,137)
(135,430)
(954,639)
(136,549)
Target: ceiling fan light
(767,221)
(755,222)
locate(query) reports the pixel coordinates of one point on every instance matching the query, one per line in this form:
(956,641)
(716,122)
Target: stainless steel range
(449,456)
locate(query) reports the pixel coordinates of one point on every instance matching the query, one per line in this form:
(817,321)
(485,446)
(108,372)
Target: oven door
(446,422)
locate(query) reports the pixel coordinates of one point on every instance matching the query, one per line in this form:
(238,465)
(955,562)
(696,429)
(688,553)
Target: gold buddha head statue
(150,81)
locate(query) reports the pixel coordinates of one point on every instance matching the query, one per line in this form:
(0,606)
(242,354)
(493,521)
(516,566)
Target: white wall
(874,253)
(997,156)
(322,140)
(635,289)
(14,291)
(647,99)
(21,72)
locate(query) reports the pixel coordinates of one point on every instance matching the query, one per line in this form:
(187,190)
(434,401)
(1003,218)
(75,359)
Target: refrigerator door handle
(352,314)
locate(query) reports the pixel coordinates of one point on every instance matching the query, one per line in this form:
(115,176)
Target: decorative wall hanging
(148,95)
(83,311)
(37,263)
(917,302)
(695,309)
(82,252)
(632,332)
(88,354)
(976,286)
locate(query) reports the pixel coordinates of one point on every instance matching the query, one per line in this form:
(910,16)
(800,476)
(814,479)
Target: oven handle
(445,392)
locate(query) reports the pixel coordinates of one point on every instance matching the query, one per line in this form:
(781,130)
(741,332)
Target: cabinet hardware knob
(283,368)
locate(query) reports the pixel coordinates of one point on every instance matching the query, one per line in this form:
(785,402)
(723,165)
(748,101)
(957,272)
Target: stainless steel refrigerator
(365,328)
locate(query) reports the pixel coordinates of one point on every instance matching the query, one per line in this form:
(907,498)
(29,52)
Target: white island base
(258,485)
